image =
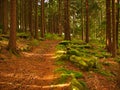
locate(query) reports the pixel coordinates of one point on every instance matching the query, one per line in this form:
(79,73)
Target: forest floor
(34,70)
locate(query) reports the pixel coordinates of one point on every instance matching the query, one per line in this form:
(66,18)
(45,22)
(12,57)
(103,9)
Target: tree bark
(114,49)
(12,39)
(108,26)
(59,17)
(42,19)
(36,19)
(5,16)
(1,14)
(117,23)
(26,14)
(87,23)
(31,18)
(67,19)
(82,20)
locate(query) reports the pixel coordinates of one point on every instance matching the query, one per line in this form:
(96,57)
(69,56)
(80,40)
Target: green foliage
(23,35)
(85,63)
(60,47)
(117,59)
(68,74)
(73,52)
(104,72)
(106,63)
(78,85)
(86,57)
(63,78)
(59,62)
(34,42)
(65,43)
(52,36)
(63,57)
(3,38)
(83,55)
(1,26)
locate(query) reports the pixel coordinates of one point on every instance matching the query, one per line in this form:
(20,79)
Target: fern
(69,72)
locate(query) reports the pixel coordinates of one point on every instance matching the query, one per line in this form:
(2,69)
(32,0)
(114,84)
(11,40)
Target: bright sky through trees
(45,1)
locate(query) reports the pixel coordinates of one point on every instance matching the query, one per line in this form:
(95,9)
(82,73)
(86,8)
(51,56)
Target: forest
(59,45)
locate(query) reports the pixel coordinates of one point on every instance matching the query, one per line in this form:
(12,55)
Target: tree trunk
(31,17)
(42,19)
(108,26)
(82,20)
(67,19)
(5,16)
(36,19)
(23,14)
(26,14)
(59,18)
(114,51)
(1,14)
(12,39)
(117,23)
(87,23)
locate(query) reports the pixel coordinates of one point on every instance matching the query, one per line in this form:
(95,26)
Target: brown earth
(32,71)
(35,71)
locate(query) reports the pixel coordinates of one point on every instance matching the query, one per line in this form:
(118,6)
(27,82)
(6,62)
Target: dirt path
(32,71)
(35,71)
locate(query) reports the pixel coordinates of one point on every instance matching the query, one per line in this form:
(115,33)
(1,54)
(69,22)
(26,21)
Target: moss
(73,52)
(85,63)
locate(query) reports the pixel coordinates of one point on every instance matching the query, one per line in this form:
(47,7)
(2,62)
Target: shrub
(34,42)
(23,35)
(52,36)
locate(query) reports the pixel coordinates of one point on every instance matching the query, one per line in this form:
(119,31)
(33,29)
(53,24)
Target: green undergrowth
(27,45)
(23,35)
(52,36)
(104,72)
(86,56)
(117,59)
(34,42)
(73,77)
(1,27)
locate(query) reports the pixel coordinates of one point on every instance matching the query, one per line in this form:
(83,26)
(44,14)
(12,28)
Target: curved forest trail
(33,71)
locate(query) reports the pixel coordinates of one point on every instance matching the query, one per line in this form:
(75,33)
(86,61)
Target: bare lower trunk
(12,39)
